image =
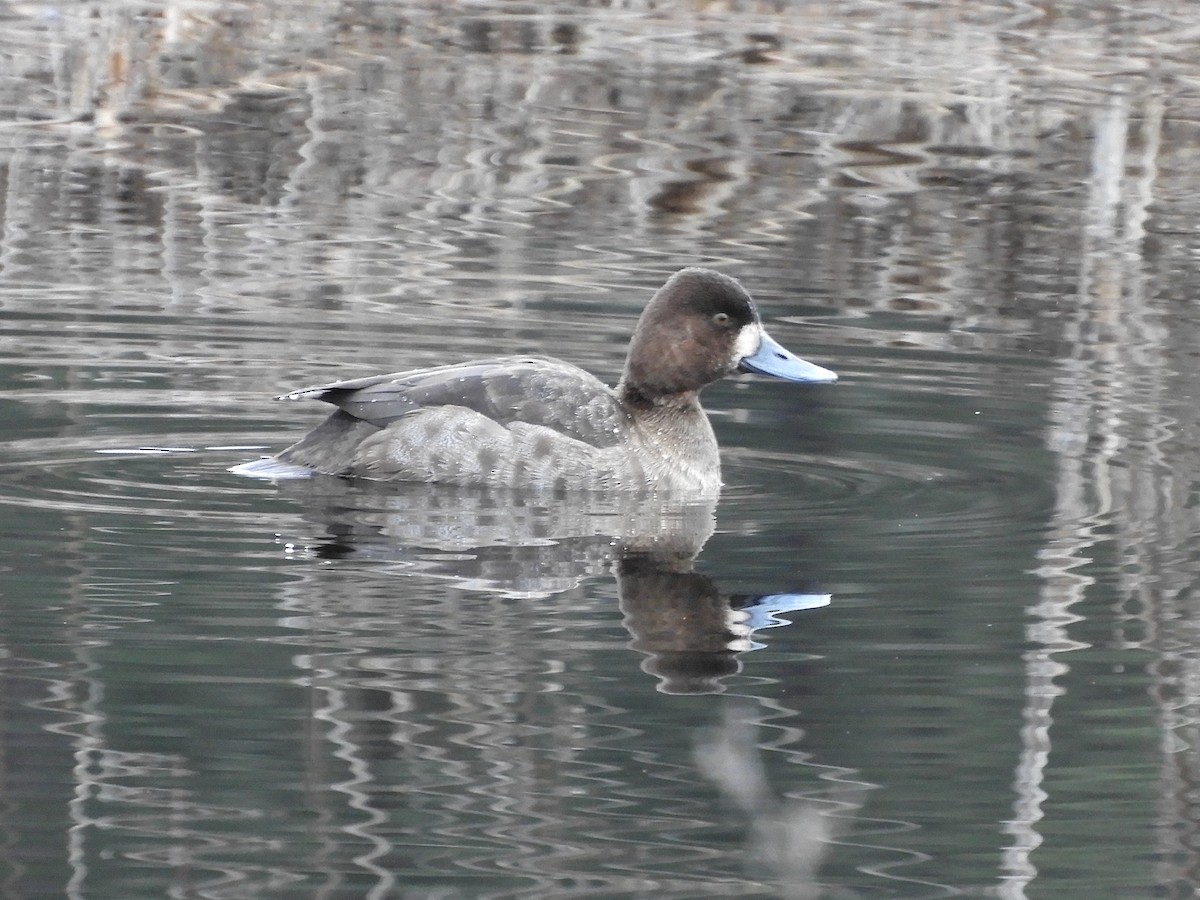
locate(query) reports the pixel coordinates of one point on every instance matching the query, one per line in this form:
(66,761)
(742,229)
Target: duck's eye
(722,319)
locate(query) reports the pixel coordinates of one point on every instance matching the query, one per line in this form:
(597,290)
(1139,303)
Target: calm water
(939,636)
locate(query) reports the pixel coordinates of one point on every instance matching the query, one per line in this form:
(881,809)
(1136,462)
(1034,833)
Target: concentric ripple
(142,481)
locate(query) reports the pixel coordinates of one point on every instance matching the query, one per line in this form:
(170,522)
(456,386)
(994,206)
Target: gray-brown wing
(539,391)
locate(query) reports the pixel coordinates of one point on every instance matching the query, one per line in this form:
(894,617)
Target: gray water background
(983,216)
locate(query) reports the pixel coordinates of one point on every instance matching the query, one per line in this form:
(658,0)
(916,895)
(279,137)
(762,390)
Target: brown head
(698,327)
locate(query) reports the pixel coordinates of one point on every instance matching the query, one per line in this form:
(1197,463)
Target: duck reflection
(516,544)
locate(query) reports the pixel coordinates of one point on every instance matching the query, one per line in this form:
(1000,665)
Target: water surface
(937,637)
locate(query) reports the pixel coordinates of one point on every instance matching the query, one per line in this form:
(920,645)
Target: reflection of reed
(1126,467)
(89,810)
(481,759)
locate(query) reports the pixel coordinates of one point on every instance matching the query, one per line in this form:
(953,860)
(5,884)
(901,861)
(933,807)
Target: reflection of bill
(764,609)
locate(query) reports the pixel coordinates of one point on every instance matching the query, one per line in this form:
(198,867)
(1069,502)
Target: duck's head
(701,326)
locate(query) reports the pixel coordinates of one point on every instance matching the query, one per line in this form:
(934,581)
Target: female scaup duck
(525,422)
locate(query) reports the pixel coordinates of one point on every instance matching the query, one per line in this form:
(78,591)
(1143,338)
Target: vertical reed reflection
(1124,427)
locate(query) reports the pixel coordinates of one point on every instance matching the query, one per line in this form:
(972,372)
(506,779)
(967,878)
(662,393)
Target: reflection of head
(691,632)
(679,619)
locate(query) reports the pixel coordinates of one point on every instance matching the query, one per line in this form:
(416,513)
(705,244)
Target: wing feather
(537,391)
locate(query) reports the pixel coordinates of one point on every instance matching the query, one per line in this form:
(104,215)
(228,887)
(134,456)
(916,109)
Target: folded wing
(535,391)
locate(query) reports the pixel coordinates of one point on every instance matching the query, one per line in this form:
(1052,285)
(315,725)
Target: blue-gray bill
(773,359)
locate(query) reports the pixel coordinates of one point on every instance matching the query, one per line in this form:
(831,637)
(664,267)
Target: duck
(533,422)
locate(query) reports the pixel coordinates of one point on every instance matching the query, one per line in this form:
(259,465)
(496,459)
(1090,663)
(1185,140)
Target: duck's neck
(676,429)
(634,397)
